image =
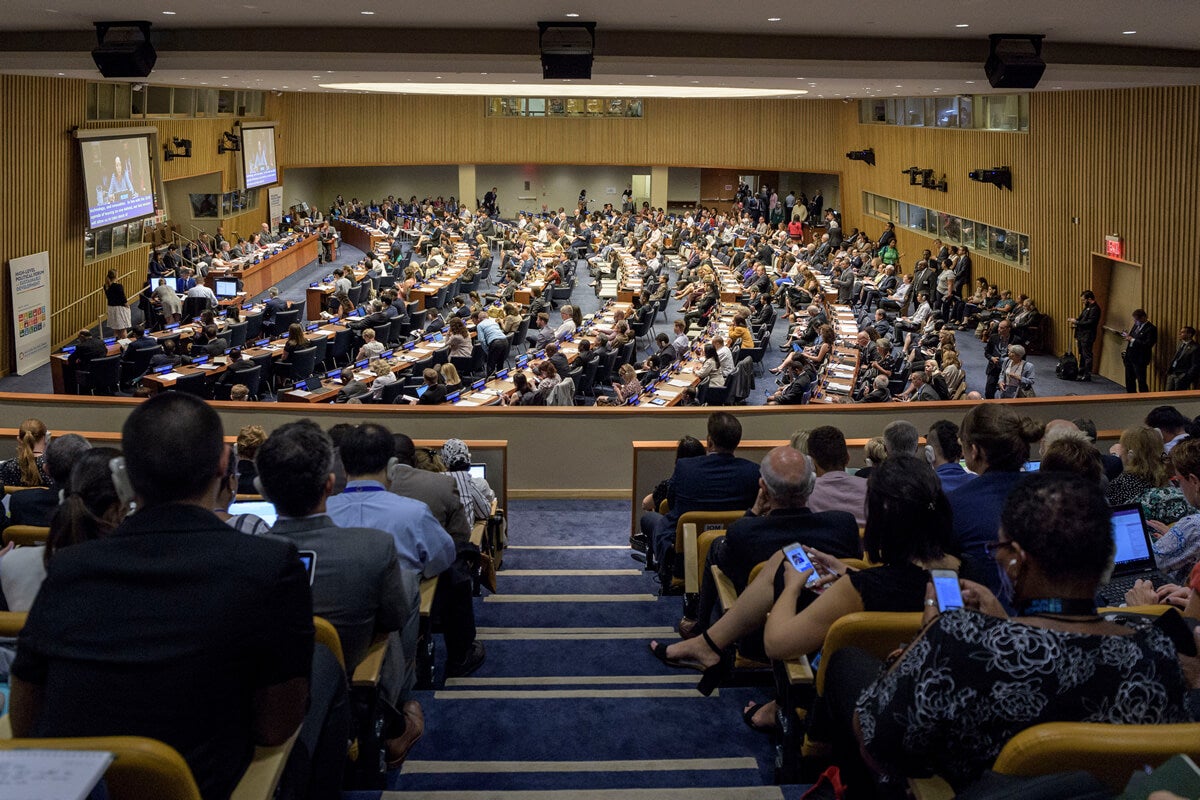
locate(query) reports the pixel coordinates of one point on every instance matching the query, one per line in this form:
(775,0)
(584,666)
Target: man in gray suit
(357,582)
(439,492)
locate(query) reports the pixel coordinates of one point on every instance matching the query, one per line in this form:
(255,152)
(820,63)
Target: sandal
(660,652)
(748,714)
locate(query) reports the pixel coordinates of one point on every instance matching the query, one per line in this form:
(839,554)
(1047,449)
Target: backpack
(1068,367)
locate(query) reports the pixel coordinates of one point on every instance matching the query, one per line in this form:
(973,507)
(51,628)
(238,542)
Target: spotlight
(137,87)
(867,155)
(185,149)
(228,143)
(1015,60)
(1000,177)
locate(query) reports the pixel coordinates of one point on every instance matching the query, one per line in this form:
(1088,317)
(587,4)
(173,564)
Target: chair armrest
(690,559)
(366,674)
(725,589)
(934,788)
(799,671)
(477,532)
(428,589)
(262,776)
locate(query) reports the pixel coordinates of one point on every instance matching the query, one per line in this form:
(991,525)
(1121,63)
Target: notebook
(1134,557)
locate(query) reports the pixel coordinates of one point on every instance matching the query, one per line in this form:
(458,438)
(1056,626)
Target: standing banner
(30,279)
(275,205)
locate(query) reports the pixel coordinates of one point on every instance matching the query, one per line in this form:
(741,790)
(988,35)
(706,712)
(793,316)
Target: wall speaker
(1015,61)
(123,49)
(566,49)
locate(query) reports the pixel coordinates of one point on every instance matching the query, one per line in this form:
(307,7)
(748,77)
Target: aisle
(570,701)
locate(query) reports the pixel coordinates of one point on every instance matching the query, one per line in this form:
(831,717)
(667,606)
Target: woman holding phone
(908,532)
(975,677)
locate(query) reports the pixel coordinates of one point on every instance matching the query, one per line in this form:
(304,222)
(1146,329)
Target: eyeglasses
(992,547)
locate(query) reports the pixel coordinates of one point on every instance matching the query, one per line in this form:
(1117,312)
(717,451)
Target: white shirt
(200,290)
(725,356)
(566,329)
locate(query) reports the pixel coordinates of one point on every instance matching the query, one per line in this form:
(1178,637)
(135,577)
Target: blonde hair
(450,374)
(876,450)
(1143,451)
(29,434)
(799,441)
(249,438)
(380,366)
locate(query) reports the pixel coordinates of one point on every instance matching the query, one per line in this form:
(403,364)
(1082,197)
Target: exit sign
(1114,247)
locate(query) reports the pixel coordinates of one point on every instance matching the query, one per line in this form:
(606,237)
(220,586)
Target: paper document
(682,384)
(51,774)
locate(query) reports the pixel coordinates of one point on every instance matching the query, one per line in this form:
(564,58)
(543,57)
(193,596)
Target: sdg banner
(30,278)
(275,204)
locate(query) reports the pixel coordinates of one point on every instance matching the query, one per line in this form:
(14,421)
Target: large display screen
(118,183)
(258,156)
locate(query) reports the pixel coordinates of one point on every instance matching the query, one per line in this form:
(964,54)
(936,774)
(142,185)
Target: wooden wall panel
(42,202)
(367,130)
(1119,161)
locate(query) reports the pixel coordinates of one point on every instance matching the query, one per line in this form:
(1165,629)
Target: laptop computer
(1134,557)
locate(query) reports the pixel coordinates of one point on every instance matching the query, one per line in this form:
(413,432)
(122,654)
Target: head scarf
(456,454)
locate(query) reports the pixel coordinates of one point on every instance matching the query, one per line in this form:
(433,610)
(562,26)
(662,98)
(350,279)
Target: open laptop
(1134,557)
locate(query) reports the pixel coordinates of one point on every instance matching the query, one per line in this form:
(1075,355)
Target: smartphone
(309,559)
(945,586)
(799,560)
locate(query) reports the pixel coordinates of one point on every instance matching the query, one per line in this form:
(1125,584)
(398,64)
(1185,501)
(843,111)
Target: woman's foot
(687,654)
(761,716)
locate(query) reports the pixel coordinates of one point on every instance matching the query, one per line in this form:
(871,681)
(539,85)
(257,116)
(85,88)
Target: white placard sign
(30,282)
(275,205)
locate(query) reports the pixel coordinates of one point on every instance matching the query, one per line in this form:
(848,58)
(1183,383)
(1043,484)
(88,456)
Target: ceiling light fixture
(572,14)
(539,89)
(1128,33)
(773,19)
(169,13)
(962,25)
(367,13)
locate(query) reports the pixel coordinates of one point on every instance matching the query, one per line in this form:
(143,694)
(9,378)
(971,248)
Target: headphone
(120,479)
(393,468)
(811,483)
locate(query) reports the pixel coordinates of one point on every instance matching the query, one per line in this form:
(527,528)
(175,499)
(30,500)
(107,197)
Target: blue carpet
(675,722)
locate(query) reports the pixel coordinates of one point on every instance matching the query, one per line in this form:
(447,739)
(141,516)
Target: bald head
(787,476)
(1058,429)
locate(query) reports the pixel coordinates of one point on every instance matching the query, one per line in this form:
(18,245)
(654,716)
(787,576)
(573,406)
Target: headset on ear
(811,483)
(393,468)
(929,453)
(120,479)
(258,487)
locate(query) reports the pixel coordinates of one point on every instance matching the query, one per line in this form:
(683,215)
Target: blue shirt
(952,476)
(977,505)
(421,542)
(488,331)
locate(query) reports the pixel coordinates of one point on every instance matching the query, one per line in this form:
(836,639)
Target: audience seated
(975,677)
(90,510)
(358,583)
(1145,478)
(37,506)
(28,468)
(423,545)
(835,489)
(177,627)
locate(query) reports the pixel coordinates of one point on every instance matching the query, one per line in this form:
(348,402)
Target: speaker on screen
(123,49)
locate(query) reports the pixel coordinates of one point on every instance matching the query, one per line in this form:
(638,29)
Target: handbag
(1026,392)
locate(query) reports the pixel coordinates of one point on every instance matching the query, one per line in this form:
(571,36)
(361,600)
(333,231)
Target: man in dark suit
(273,306)
(718,481)
(1139,349)
(1185,363)
(995,351)
(962,272)
(234,369)
(779,517)
(37,506)
(358,584)
(1086,325)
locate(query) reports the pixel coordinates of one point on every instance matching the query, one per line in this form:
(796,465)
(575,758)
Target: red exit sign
(1114,247)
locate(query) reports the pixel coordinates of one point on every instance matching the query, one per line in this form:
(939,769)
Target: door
(641,190)
(1118,288)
